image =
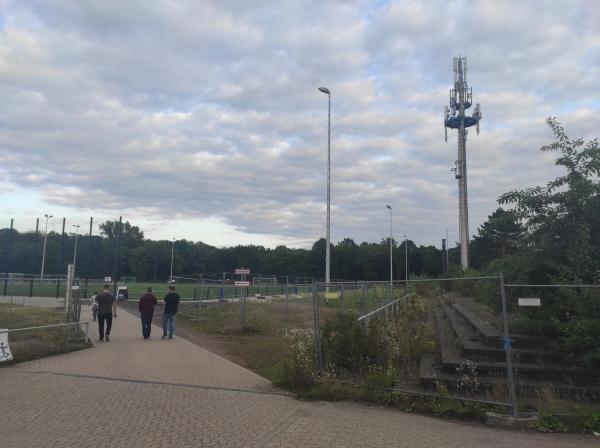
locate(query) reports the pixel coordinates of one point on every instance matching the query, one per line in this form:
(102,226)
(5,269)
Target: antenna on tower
(461,98)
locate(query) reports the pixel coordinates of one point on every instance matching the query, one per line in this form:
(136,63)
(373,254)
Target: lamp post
(391,259)
(447,248)
(75,250)
(327,92)
(44,250)
(406,260)
(172,250)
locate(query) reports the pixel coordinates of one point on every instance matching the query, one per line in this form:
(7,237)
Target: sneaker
(171,337)
(164,336)
(99,340)
(107,338)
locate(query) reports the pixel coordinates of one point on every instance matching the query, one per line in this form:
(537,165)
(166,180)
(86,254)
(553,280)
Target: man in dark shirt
(146,307)
(171,303)
(107,308)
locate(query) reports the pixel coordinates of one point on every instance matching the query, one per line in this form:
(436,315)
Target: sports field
(185,290)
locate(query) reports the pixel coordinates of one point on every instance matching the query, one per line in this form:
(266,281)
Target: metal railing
(41,327)
(387,307)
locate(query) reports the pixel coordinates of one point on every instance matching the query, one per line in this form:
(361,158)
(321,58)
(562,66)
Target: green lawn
(185,290)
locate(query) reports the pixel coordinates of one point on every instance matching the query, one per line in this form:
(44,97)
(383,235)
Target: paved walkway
(172,393)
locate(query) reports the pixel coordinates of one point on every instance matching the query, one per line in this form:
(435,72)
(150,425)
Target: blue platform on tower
(467,104)
(454,122)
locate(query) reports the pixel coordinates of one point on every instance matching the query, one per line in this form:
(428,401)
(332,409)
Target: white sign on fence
(240,283)
(530,301)
(5,354)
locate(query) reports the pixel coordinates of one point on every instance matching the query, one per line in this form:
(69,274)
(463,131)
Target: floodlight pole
(75,250)
(326,91)
(172,251)
(391,258)
(447,248)
(44,250)
(406,260)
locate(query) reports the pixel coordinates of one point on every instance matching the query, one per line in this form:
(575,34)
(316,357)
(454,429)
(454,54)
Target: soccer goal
(264,280)
(128,280)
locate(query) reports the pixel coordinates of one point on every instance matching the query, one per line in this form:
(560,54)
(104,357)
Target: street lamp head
(389,206)
(325,90)
(47,216)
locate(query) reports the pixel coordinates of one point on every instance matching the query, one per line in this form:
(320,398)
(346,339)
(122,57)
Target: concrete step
(470,341)
(431,373)
(492,334)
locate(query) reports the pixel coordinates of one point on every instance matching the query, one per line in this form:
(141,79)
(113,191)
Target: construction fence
(42,326)
(524,348)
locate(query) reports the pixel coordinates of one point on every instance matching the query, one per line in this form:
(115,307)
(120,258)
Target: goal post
(264,280)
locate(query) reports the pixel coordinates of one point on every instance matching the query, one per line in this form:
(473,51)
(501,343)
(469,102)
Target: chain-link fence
(252,308)
(555,335)
(34,254)
(32,327)
(26,343)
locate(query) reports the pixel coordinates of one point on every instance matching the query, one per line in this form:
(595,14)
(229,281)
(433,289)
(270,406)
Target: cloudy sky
(202,120)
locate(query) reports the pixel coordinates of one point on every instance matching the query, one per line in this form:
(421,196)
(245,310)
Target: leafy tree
(562,218)
(345,259)
(496,238)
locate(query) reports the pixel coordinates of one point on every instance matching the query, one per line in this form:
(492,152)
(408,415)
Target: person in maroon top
(146,306)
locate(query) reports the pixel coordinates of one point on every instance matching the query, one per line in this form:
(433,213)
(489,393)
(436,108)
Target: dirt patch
(216,327)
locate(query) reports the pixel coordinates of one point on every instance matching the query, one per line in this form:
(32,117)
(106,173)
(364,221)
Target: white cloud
(210,110)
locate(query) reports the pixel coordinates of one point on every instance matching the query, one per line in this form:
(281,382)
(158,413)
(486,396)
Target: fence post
(61,255)
(8,251)
(35,257)
(317,327)
(198,309)
(88,269)
(67,300)
(87,331)
(508,350)
(287,298)
(242,293)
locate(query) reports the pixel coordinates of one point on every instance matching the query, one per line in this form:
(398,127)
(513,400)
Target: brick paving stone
(98,398)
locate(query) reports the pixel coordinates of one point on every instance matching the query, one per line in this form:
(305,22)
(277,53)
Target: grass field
(260,346)
(185,290)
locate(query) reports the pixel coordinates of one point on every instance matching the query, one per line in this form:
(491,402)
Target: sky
(202,120)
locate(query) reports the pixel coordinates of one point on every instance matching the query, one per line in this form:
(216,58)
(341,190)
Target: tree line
(122,250)
(550,234)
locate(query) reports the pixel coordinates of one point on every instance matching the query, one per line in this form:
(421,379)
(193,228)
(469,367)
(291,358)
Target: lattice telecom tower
(461,98)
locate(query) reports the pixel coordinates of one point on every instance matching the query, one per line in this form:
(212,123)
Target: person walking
(171,304)
(94,305)
(146,307)
(107,309)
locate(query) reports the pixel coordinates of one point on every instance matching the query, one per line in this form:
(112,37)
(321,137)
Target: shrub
(296,369)
(582,339)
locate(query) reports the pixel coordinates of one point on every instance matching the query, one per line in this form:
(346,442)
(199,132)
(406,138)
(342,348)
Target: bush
(296,369)
(581,338)
(581,420)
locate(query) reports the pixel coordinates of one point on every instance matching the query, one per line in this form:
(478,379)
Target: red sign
(242,271)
